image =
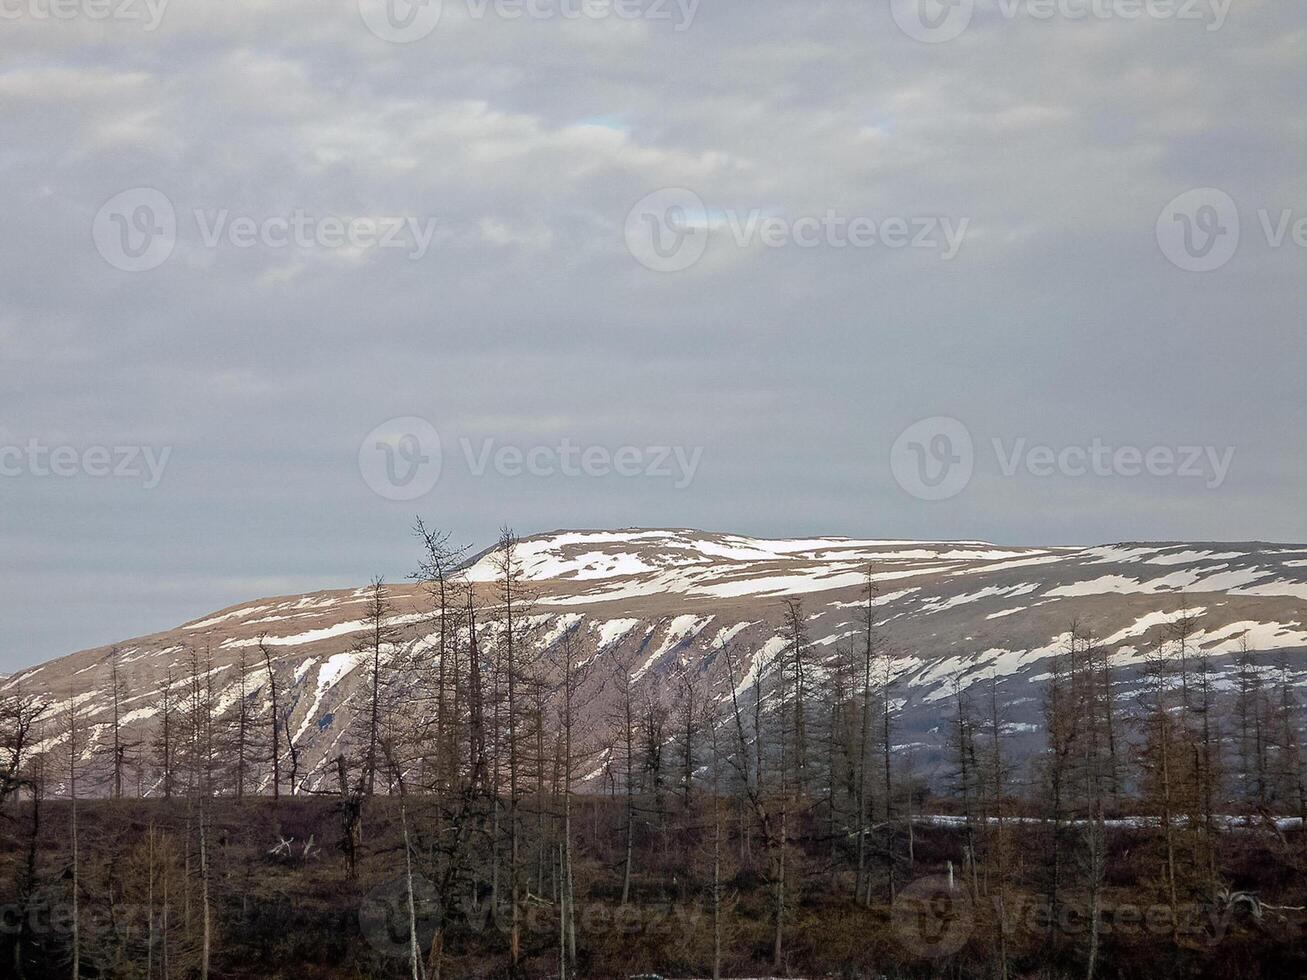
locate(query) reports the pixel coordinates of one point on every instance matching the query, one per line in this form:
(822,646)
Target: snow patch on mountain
(680,632)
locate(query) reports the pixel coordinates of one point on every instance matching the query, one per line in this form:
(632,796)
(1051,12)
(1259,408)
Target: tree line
(478,739)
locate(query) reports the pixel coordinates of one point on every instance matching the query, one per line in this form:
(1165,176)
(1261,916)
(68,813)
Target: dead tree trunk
(274,745)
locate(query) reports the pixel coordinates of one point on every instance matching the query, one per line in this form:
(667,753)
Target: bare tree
(966,776)
(1291,785)
(689,723)
(117,694)
(274,744)
(242,726)
(19,718)
(862,887)
(998,773)
(1250,712)
(439,575)
(200,780)
(773,833)
(714,728)
(798,655)
(626,721)
(1158,760)
(514,666)
(165,735)
(574,676)
(380,636)
(73,729)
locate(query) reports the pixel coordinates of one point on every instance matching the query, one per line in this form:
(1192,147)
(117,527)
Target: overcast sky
(258,370)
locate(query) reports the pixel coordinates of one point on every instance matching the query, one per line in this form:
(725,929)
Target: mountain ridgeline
(677,611)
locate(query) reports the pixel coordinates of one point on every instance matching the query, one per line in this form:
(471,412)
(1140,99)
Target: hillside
(665,601)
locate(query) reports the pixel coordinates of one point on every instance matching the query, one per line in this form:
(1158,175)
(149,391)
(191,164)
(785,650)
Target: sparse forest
(472,824)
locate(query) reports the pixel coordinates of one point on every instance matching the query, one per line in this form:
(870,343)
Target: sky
(277,277)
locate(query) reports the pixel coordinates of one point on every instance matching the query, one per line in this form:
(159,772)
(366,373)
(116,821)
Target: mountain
(953,613)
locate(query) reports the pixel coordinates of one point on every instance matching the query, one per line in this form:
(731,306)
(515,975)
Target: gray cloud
(528,322)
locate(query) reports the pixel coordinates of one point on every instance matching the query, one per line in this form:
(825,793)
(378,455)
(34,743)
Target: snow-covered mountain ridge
(663,601)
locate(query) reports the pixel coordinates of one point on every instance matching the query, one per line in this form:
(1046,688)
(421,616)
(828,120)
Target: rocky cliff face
(664,601)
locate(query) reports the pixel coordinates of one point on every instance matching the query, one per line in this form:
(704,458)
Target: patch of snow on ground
(138,714)
(214,621)
(989,592)
(326,632)
(1103,585)
(1229,581)
(880,600)
(939,674)
(331,673)
(1007,612)
(727,633)
(1260,636)
(1212,578)
(1014,563)
(681,629)
(541,558)
(1185,557)
(816,580)
(1146,622)
(670,580)
(613,630)
(1114,553)
(562,624)
(335,668)
(761,659)
(1297,590)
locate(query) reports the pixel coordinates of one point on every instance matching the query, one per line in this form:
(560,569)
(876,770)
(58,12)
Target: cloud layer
(522,144)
